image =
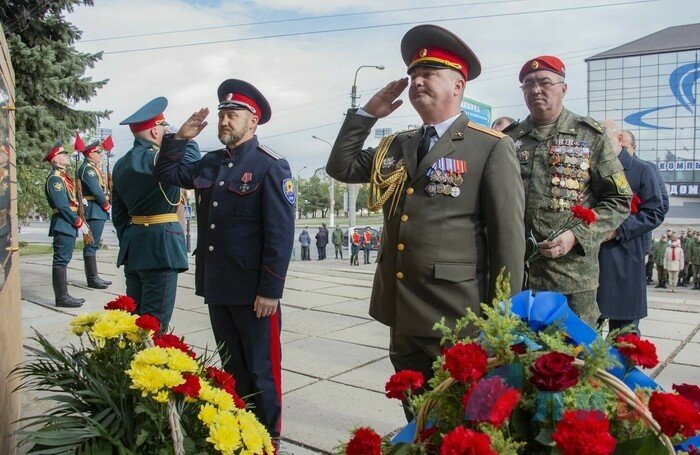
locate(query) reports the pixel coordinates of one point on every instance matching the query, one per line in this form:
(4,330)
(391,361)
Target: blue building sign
(478,112)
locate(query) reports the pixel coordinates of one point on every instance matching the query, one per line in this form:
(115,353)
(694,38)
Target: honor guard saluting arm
(96,211)
(451,198)
(245,234)
(65,223)
(151,241)
(565,160)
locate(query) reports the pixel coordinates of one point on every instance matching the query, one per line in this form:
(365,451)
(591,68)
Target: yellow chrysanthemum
(252,432)
(207,413)
(112,324)
(162,396)
(152,356)
(178,360)
(151,379)
(218,397)
(83,322)
(224,433)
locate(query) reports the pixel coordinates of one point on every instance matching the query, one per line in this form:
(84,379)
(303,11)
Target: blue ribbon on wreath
(546,308)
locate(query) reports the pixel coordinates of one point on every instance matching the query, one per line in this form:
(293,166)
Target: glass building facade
(653,94)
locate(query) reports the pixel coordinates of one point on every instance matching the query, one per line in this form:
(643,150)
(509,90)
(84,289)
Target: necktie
(424,145)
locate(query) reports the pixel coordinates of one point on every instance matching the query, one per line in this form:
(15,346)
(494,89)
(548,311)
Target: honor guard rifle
(87,237)
(108,145)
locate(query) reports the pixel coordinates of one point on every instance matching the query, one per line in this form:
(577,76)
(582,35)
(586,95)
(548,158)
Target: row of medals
(444,182)
(569,165)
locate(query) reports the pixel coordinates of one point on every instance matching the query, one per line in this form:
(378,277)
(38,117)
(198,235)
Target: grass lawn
(32,249)
(374,220)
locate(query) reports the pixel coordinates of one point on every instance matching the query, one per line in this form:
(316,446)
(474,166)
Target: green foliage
(50,80)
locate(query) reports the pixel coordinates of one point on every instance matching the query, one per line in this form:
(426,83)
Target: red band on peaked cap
(58,148)
(434,46)
(148,124)
(242,100)
(434,56)
(543,62)
(94,147)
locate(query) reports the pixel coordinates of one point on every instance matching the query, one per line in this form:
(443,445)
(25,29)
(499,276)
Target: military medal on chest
(247,177)
(445,177)
(568,167)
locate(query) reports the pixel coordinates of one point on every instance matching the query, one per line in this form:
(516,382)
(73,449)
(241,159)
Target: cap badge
(422,53)
(229,97)
(535,64)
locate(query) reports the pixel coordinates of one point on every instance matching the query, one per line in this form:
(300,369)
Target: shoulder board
(595,124)
(55,173)
(510,127)
(269,152)
(483,129)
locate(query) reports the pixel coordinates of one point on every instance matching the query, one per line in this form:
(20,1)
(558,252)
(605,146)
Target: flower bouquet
(128,389)
(516,389)
(579,214)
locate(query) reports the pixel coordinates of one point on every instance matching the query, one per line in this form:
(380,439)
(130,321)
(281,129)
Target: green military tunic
(441,252)
(573,164)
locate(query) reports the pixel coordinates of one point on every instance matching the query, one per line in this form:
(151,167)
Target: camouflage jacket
(659,252)
(573,165)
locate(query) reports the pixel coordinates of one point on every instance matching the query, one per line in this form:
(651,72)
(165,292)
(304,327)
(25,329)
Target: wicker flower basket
(604,377)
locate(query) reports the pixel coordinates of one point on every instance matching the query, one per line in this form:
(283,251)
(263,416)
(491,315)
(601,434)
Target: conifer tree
(49,81)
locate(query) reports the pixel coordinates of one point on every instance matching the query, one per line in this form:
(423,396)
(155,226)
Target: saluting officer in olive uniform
(453,217)
(96,212)
(65,223)
(144,212)
(566,159)
(245,213)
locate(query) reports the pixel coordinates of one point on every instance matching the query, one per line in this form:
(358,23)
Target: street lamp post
(296,206)
(352,188)
(331,213)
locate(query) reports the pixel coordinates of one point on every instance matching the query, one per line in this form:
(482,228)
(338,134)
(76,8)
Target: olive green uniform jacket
(602,186)
(440,254)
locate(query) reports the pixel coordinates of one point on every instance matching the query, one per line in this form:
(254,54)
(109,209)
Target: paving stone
(696,338)
(347,291)
(660,329)
(294,449)
(310,299)
(183,322)
(678,374)
(673,316)
(318,323)
(288,337)
(371,333)
(664,347)
(689,355)
(292,381)
(299,284)
(325,358)
(202,340)
(316,416)
(357,308)
(371,377)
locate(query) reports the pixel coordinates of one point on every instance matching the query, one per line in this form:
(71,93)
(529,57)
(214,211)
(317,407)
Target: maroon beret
(543,62)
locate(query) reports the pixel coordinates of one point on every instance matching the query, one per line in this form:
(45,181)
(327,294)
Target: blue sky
(307,78)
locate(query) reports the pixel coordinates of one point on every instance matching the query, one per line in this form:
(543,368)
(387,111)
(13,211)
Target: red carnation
(403,382)
(167,340)
(675,414)
(584,433)
(190,387)
(148,322)
(518,349)
(584,214)
(634,204)
(640,352)
(554,372)
(364,442)
(225,381)
(490,401)
(462,441)
(466,361)
(123,302)
(503,407)
(689,392)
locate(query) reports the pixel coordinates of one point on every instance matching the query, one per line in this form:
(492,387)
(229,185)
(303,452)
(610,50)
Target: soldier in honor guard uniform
(245,234)
(152,245)
(96,211)
(565,160)
(452,216)
(65,223)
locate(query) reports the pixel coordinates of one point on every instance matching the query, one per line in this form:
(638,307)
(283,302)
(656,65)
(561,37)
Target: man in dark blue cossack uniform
(65,223)
(151,240)
(97,209)
(245,214)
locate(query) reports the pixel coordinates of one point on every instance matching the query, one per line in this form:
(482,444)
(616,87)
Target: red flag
(108,144)
(79,144)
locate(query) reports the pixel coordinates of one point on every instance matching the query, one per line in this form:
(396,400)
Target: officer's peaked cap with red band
(94,147)
(436,47)
(238,94)
(148,116)
(55,150)
(543,62)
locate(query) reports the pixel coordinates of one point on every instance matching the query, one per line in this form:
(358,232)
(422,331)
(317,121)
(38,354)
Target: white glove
(85,202)
(84,229)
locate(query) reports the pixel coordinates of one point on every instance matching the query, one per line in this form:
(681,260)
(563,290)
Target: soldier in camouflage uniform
(695,259)
(566,160)
(658,253)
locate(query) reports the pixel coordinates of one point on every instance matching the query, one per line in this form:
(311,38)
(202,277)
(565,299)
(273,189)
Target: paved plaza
(335,358)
